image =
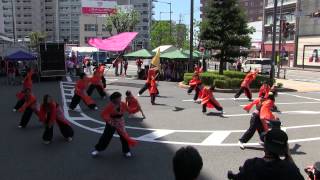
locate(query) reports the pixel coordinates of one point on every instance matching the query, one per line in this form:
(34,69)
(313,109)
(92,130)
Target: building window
(90,27)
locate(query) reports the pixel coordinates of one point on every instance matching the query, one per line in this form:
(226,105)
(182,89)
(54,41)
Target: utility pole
(13,21)
(280,39)
(170,20)
(274,37)
(296,39)
(191,30)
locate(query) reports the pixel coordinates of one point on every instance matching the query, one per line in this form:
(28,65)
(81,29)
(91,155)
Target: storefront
(287,51)
(308,55)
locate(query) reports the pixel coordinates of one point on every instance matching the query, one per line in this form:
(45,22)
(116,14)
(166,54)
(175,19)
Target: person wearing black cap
(271,166)
(187,163)
(112,114)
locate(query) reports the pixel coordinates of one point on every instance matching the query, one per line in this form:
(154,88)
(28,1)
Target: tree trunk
(221,66)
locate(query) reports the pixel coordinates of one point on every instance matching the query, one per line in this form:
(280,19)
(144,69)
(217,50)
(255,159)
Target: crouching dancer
(51,113)
(209,101)
(80,93)
(113,116)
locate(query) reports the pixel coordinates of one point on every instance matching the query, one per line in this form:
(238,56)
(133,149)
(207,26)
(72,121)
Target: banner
(311,55)
(98,6)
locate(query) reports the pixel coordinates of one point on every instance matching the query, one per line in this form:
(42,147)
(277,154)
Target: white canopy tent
(84,49)
(165,48)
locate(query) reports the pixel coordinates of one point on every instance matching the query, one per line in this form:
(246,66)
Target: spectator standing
(139,63)
(125,66)
(187,163)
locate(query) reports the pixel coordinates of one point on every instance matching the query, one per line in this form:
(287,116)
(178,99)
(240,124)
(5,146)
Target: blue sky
(178,7)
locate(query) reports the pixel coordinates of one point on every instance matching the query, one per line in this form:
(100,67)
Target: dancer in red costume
(255,122)
(113,116)
(197,69)
(152,73)
(264,89)
(28,108)
(245,85)
(81,94)
(153,90)
(96,83)
(266,114)
(27,84)
(50,114)
(133,104)
(195,84)
(209,101)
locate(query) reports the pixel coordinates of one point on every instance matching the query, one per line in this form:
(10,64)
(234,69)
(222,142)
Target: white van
(262,64)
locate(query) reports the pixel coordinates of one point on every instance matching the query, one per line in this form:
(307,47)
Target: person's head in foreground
(128,93)
(115,98)
(187,163)
(276,143)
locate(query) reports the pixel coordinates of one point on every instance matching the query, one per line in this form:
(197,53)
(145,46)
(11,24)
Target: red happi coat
(151,74)
(257,102)
(264,89)
(194,82)
(27,82)
(108,115)
(101,69)
(133,105)
(56,114)
(198,70)
(80,90)
(248,79)
(153,87)
(207,98)
(266,113)
(96,79)
(30,102)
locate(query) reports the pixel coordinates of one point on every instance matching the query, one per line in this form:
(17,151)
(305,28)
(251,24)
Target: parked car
(262,64)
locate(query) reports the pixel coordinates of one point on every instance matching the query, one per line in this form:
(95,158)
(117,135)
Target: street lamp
(170,4)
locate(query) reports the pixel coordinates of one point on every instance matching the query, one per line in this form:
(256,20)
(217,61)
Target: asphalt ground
(174,123)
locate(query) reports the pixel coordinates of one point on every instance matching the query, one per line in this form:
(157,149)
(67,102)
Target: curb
(182,85)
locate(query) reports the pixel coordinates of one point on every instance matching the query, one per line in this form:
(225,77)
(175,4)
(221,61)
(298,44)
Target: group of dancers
(262,117)
(50,112)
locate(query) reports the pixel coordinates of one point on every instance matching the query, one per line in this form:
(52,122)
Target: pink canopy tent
(115,43)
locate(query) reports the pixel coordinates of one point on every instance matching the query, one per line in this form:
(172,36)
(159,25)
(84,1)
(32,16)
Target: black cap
(276,141)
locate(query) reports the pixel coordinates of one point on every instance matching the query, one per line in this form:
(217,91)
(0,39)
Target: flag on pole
(156,59)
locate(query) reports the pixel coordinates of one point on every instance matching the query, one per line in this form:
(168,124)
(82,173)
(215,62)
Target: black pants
(191,88)
(104,81)
(144,88)
(99,89)
(247,92)
(26,117)
(196,95)
(255,124)
(65,130)
(153,98)
(76,100)
(106,138)
(204,107)
(19,104)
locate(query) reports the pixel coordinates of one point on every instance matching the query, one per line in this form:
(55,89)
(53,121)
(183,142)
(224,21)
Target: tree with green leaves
(160,33)
(36,38)
(124,20)
(224,30)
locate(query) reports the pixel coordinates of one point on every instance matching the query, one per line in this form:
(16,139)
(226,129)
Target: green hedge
(229,80)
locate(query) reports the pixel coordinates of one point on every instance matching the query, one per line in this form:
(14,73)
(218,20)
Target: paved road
(305,76)
(175,122)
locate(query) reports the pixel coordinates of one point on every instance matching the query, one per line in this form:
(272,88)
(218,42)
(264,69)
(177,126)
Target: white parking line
(218,99)
(155,135)
(291,103)
(304,97)
(216,138)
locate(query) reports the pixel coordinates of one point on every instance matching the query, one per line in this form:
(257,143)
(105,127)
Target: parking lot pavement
(175,122)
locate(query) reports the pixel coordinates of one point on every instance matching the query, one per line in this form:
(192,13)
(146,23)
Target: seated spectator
(187,163)
(271,166)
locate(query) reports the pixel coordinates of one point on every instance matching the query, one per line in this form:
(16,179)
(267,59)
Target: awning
(20,56)
(84,49)
(143,53)
(115,43)
(177,54)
